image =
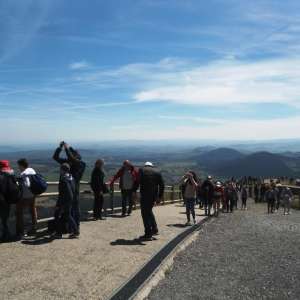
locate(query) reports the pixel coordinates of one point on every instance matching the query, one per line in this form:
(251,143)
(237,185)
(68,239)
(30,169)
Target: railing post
(112,192)
(173,194)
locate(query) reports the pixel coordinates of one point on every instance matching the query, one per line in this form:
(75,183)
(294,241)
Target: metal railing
(112,199)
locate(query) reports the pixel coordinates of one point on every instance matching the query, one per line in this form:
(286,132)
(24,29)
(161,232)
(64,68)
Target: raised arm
(56,156)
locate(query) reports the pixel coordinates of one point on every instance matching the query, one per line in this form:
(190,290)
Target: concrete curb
(141,283)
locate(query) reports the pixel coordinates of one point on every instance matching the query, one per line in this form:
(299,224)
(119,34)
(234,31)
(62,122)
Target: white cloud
(79,65)
(228,82)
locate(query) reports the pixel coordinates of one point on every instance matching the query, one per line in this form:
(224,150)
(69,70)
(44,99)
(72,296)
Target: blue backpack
(38,184)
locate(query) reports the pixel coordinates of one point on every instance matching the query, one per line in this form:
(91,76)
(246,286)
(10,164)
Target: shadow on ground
(124,242)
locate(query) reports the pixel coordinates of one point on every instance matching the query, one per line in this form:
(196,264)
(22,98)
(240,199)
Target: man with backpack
(28,199)
(128,181)
(9,192)
(77,168)
(152,190)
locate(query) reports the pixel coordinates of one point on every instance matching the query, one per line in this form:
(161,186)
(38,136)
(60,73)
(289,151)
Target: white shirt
(26,183)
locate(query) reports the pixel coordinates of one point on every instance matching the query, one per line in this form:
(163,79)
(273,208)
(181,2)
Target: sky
(149,70)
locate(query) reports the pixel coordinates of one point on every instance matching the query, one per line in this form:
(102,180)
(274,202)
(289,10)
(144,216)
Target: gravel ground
(244,255)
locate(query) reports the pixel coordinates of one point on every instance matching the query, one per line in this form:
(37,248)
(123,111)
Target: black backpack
(13,190)
(38,184)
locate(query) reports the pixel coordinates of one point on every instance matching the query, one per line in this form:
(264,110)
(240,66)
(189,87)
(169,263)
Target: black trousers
(4,215)
(127,200)
(244,202)
(230,203)
(271,204)
(149,221)
(98,204)
(75,209)
(63,216)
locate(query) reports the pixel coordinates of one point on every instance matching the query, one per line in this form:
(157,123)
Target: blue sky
(149,69)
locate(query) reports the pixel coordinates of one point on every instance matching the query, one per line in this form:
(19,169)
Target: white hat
(219,184)
(148,164)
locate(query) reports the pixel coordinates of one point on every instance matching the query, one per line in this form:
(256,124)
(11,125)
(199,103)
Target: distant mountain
(218,156)
(262,164)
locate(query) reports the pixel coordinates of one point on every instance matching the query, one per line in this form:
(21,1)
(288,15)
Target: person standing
(256,191)
(286,196)
(152,188)
(190,182)
(230,194)
(244,196)
(128,180)
(28,199)
(77,168)
(271,198)
(5,171)
(207,189)
(66,197)
(99,188)
(263,190)
(218,197)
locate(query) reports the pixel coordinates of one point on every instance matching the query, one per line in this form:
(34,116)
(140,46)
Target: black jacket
(66,190)
(97,181)
(151,183)
(77,165)
(207,190)
(3,189)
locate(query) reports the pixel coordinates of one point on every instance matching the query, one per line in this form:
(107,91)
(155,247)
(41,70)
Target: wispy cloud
(229,82)
(19,23)
(79,65)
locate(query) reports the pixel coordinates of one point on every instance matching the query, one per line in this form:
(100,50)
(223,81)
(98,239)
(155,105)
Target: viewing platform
(107,254)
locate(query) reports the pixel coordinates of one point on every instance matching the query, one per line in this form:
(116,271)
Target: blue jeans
(190,208)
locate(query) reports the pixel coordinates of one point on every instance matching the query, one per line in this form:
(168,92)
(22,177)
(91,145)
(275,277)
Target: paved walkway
(244,255)
(106,255)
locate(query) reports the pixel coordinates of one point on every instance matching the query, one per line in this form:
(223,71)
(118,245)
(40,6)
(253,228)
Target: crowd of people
(213,196)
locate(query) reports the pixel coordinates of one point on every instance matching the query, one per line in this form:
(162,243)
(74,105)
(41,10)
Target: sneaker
(188,223)
(32,231)
(57,236)
(155,233)
(20,237)
(74,236)
(146,237)
(194,221)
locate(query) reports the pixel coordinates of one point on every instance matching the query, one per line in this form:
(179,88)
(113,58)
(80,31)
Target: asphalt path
(243,255)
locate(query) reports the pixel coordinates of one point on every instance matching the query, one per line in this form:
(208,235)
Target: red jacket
(119,175)
(219,193)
